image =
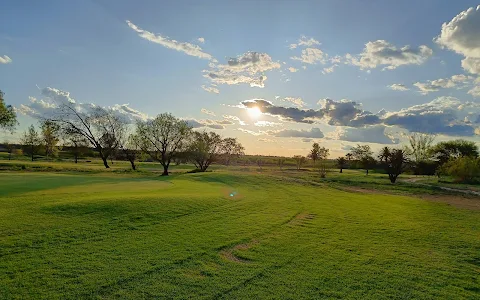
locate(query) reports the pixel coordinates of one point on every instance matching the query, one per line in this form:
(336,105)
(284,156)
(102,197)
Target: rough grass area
(227,235)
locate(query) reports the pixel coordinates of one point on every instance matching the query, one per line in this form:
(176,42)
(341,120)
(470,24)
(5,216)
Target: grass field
(227,234)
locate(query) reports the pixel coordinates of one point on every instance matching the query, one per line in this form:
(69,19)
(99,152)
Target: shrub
(463,169)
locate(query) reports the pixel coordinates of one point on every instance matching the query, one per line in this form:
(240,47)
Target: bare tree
(299,160)
(130,149)
(77,145)
(420,144)
(163,138)
(32,142)
(51,136)
(100,127)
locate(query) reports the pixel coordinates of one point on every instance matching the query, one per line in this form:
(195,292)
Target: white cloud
(54,99)
(207,112)
(297,101)
(255,133)
(266,124)
(266,140)
(475,92)
(398,87)
(329,69)
(456,81)
(292,69)
(304,41)
(248,68)
(201,40)
(461,35)
(5,59)
(382,53)
(211,89)
(187,48)
(234,118)
(312,56)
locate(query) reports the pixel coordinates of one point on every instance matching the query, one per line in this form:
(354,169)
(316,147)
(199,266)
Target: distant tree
(10,149)
(100,127)
(363,154)
(130,149)
(31,141)
(314,153)
(259,162)
(231,148)
(341,163)
(77,146)
(445,151)
(50,134)
(349,156)
(393,161)
(464,169)
(205,148)
(420,144)
(8,118)
(299,160)
(163,138)
(280,162)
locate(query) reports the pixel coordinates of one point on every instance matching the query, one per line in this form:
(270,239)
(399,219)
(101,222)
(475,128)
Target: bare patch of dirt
(453,200)
(228,254)
(301,218)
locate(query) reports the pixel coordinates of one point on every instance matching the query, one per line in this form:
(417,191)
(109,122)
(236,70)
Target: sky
(277,75)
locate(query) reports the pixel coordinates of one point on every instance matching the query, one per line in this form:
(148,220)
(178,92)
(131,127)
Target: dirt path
(415,181)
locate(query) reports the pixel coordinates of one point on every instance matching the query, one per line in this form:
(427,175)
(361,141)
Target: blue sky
(87,48)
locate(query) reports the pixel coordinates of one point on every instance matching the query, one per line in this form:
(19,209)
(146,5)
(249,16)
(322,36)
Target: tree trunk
(132,162)
(165,170)
(341,170)
(9,155)
(105,162)
(76,158)
(367,171)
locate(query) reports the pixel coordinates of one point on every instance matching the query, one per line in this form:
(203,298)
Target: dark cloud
(312,133)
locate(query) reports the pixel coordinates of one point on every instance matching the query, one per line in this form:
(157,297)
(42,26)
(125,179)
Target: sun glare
(254,112)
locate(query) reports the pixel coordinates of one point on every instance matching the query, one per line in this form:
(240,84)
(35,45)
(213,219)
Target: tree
(8,118)
(419,151)
(31,141)
(349,156)
(50,136)
(102,128)
(10,148)
(231,148)
(129,149)
(463,169)
(299,160)
(318,153)
(394,161)
(341,163)
(444,151)
(77,145)
(280,162)
(206,148)
(363,154)
(163,138)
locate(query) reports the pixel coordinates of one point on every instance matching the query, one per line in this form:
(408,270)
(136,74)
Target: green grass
(111,236)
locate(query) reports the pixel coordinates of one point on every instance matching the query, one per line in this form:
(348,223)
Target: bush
(463,169)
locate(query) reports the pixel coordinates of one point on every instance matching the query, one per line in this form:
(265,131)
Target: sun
(254,112)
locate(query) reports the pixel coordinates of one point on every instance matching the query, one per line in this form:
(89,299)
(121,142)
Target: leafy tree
(349,156)
(393,161)
(445,151)
(363,154)
(341,163)
(102,128)
(314,153)
(51,136)
(8,118)
(420,145)
(205,149)
(299,160)
(464,169)
(163,138)
(231,148)
(31,141)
